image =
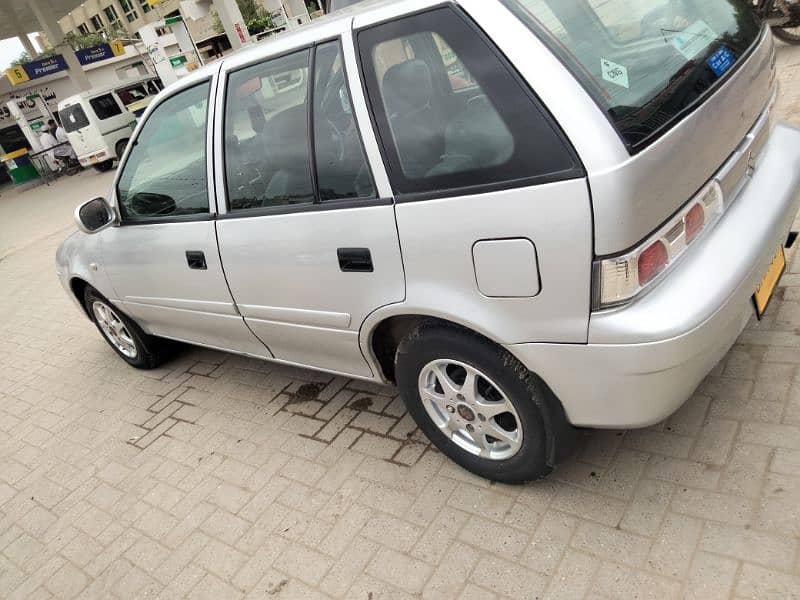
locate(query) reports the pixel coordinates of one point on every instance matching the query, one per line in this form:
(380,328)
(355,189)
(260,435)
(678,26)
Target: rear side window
(267,154)
(342,170)
(105,107)
(73,118)
(450,112)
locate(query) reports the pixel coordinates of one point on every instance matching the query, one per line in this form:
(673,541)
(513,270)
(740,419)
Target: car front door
(163,260)
(309,246)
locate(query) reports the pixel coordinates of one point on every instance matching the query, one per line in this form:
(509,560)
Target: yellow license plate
(769,283)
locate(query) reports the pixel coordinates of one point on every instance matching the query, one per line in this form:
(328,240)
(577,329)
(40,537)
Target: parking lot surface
(221,477)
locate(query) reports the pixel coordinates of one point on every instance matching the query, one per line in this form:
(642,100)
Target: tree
(26,58)
(250,9)
(219,28)
(116,31)
(21,59)
(254,15)
(81,41)
(78,42)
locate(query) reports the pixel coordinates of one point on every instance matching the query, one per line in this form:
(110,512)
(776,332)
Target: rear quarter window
(105,106)
(73,118)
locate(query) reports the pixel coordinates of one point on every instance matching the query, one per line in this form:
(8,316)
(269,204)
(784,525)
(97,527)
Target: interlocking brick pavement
(221,477)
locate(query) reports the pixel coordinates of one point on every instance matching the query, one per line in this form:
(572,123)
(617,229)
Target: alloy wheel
(114,329)
(470,409)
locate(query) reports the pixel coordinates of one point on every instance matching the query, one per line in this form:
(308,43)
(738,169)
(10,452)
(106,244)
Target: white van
(98,126)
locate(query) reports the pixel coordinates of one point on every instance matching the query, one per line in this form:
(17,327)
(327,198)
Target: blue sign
(45,66)
(721,61)
(87,56)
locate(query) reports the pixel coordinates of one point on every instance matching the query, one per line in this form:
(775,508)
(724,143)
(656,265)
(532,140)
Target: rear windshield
(646,62)
(73,118)
(105,106)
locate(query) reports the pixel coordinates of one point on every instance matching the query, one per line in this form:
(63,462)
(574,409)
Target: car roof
(262,49)
(307,31)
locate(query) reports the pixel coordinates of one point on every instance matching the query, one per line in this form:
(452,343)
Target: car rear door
(492,202)
(83,136)
(307,232)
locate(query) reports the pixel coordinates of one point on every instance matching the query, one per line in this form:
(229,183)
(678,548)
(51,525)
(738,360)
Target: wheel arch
(124,144)
(78,287)
(385,334)
(383,330)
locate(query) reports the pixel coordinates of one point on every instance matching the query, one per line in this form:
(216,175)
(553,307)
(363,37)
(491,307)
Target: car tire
(120,148)
(104,166)
(133,345)
(507,400)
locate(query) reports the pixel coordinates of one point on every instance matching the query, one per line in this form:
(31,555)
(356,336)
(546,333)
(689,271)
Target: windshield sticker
(694,39)
(615,73)
(721,61)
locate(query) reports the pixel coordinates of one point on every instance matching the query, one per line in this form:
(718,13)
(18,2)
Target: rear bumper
(643,361)
(98,155)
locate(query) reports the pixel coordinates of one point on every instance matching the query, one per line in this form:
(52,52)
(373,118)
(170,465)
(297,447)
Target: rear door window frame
(388,149)
(317,204)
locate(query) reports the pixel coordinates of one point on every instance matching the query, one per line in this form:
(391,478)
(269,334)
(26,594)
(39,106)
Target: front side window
(450,113)
(105,106)
(165,174)
(645,62)
(73,118)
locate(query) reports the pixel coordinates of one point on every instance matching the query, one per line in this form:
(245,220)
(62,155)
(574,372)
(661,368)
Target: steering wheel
(336,138)
(249,177)
(478,101)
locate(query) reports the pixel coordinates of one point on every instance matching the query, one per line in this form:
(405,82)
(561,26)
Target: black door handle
(196,260)
(355,260)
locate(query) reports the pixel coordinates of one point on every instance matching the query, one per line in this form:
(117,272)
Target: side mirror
(94,215)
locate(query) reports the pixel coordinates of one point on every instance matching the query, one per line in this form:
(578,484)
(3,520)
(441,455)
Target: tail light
(695,221)
(652,261)
(621,278)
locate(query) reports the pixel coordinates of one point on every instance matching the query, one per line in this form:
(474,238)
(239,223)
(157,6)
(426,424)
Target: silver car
(530,215)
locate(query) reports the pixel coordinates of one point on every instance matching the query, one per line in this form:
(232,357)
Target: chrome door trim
(211,118)
(296,316)
(218,142)
(217,308)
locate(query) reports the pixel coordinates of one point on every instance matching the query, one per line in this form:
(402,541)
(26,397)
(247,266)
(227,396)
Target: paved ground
(218,477)
(29,217)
